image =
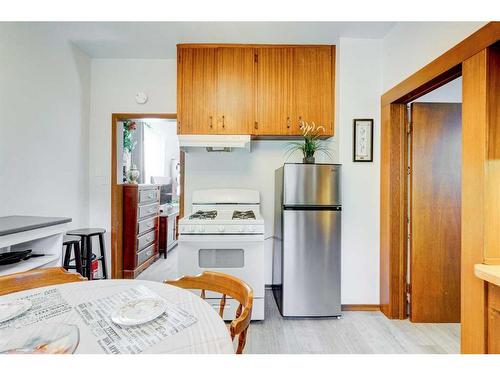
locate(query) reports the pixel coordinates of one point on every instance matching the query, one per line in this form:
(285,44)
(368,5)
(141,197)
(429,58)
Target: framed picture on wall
(363,140)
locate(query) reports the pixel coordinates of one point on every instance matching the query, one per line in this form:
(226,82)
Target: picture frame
(362,140)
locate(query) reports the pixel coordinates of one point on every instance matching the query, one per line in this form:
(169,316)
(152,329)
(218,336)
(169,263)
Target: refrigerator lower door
(311,263)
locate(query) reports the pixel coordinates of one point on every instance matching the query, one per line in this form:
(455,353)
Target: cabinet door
(196,96)
(273,112)
(235,90)
(313,70)
(494,332)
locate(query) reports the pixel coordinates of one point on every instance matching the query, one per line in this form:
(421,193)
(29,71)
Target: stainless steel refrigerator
(306,259)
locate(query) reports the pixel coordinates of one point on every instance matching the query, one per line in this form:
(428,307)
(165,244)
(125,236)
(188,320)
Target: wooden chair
(36,278)
(227,285)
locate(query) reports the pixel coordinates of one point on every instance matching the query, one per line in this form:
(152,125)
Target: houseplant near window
(128,146)
(312,143)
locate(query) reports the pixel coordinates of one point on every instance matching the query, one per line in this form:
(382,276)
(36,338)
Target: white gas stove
(225,233)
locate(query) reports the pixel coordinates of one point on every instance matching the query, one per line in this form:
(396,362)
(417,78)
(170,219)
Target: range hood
(214,143)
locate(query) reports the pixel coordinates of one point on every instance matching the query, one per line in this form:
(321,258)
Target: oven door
(238,255)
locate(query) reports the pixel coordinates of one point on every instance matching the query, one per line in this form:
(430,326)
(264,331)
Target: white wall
(449,93)
(364,68)
(358,95)
(409,46)
(114,83)
(168,131)
(359,91)
(44,105)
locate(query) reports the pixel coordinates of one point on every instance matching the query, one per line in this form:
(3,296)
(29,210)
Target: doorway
(434,205)
(148,130)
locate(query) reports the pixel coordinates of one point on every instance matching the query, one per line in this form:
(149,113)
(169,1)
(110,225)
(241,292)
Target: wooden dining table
(207,335)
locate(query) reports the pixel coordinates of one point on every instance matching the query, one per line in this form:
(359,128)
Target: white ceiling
(158,39)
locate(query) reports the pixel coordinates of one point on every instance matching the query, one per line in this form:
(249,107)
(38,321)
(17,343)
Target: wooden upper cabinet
(313,87)
(261,90)
(235,90)
(196,91)
(273,109)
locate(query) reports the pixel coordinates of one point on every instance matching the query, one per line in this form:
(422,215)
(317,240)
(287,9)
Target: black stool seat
(70,239)
(86,232)
(85,237)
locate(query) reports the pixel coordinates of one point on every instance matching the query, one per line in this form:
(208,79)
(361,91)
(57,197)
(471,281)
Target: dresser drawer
(146,225)
(145,254)
(149,210)
(494,296)
(145,240)
(147,196)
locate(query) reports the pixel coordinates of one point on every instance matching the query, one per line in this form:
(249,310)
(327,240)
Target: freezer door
(311,263)
(311,185)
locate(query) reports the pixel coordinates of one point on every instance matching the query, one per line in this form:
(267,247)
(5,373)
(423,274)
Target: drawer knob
(150,195)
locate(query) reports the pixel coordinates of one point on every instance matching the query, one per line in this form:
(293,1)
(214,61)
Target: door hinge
(408,170)
(409,128)
(408,288)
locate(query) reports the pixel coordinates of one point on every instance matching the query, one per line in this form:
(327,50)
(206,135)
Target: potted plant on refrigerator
(312,143)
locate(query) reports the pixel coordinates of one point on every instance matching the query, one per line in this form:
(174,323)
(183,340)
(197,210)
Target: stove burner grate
(243,215)
(204,215)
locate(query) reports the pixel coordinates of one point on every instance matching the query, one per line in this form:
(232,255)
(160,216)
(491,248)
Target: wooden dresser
(140,228)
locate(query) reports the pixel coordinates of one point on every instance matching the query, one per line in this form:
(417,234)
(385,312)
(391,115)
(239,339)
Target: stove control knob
(221,228)
(191,228)
(241,229)
(201,229)
(251,228)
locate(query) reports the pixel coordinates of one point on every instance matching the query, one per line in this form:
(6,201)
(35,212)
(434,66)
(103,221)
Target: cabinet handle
(288,122)
(223,125)
(256,126)
(211,122)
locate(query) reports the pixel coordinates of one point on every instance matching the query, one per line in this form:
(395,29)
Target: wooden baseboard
(360,307)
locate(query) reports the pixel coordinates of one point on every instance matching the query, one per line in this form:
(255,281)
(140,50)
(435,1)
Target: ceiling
(159,39)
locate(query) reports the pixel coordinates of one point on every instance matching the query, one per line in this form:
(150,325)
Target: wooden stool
(86,235)
(72,243)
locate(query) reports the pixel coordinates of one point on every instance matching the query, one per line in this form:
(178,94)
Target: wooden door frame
(460,60)
(117,189)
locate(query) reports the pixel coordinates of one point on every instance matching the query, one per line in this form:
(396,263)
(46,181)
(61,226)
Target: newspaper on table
(46,304)
(116,339)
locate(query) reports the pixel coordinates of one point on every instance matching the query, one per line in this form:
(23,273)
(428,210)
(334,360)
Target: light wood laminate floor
(357,332)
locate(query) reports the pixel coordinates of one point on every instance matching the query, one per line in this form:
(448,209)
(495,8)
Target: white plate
(139,311)
(12,309)
(47,338)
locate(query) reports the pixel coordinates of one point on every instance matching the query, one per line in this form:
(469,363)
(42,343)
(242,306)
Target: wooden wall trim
(360,307)
(474,141)
(117,192)
(492,209)
(393,211)
(415,85)
(250,45)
